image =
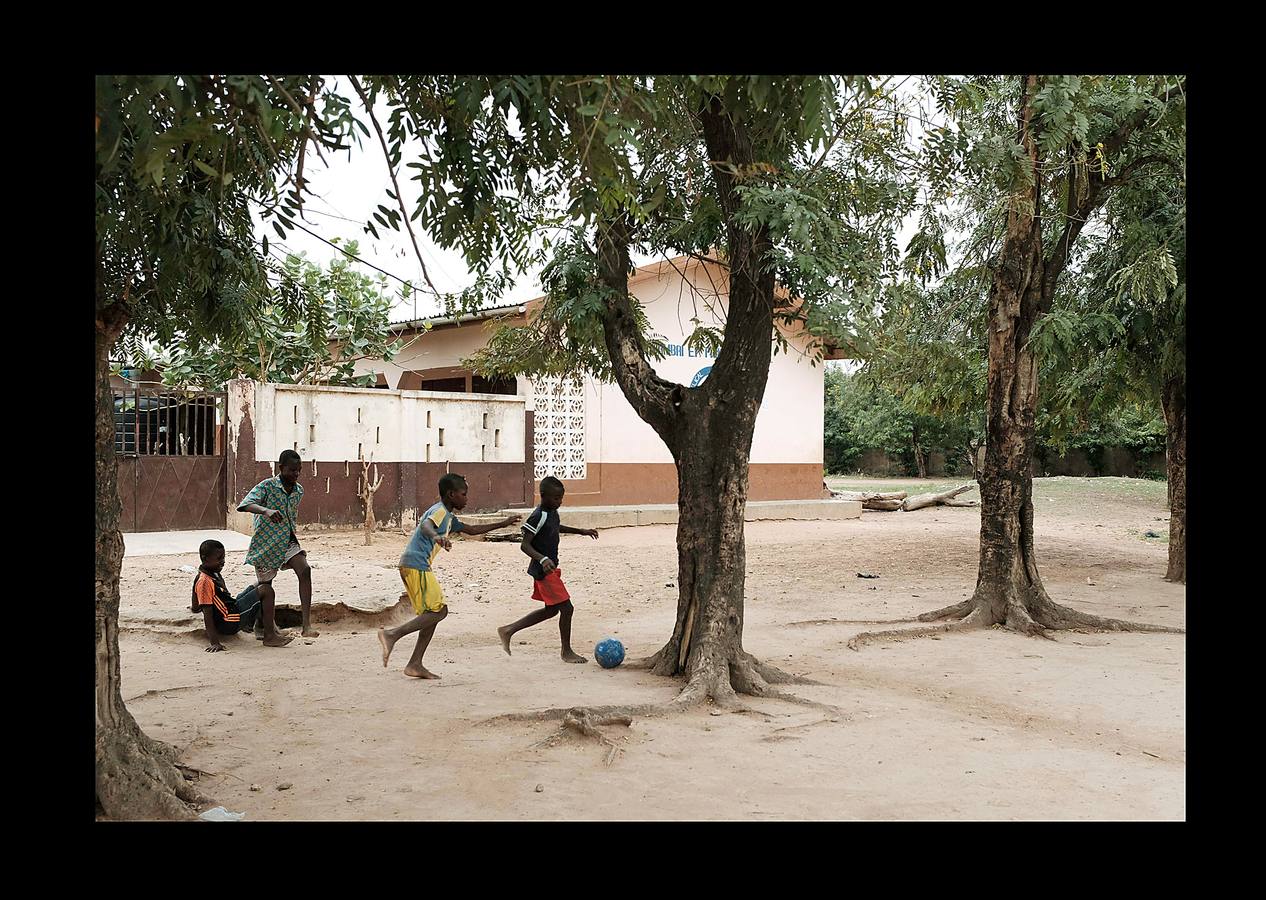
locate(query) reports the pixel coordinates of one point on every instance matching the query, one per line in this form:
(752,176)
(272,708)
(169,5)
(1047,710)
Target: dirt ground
(985,725)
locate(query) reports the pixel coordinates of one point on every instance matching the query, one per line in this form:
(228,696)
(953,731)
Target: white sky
(353,186)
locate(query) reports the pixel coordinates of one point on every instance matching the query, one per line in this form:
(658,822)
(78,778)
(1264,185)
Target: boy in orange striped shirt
(220,612)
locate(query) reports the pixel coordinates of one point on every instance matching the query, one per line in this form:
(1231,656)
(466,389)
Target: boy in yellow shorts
(420,583)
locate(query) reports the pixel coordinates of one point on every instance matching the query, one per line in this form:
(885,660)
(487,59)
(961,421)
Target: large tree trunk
(709,430)
(1008,584)
(135,775)
(1175,405)
(712,480)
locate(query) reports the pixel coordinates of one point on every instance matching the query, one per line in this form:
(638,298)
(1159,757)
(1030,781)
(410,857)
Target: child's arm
(274,514)
(213,636)
(204,599)
(547,564)
(484,529)
(250,503)
(587,532)
(427,527)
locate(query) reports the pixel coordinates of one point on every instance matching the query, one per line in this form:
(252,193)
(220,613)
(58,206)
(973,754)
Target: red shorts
(550,590)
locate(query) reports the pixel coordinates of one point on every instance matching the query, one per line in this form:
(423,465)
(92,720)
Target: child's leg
(300,564)
(564,631)
(414,668)
(424,624)
(505,632)
(266,600)
(388,636)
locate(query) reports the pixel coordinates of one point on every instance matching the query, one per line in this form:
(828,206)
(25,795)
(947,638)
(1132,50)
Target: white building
(586,433)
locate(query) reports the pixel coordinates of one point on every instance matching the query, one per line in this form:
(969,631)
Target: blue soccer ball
(609,652)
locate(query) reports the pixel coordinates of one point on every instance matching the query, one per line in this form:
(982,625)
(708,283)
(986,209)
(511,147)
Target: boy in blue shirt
(420,583)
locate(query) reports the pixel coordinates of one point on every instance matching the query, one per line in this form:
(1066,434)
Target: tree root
(585,723)
(852,622)
(955,611)
(1052,615)
(977,618)
(137,777)
(774,675)
(1037,620)
(720,684)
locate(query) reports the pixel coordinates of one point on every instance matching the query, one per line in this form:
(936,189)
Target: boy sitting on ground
(222,613)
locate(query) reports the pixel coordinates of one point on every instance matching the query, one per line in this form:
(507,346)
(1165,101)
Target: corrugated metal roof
(474,314)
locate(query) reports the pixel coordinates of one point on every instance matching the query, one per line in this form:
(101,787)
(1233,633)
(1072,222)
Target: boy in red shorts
(540,542)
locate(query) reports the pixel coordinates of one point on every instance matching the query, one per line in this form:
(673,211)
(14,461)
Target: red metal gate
(170,448)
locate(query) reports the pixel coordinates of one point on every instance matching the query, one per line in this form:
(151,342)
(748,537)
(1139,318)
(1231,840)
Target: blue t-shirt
(543,525)
(422,549)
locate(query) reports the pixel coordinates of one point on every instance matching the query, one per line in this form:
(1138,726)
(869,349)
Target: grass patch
(1062,487)
(910,486)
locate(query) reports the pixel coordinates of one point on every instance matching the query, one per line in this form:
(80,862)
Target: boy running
(275,503)
(540,542)
(419,581)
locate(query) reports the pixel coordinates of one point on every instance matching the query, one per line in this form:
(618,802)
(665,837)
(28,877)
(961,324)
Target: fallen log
(884,501)
(870,495)
(882,505)
(919,501)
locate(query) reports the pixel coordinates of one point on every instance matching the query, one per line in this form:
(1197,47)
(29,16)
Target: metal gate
(170,448)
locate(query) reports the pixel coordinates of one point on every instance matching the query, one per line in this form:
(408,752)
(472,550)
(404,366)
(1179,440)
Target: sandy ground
(986,725)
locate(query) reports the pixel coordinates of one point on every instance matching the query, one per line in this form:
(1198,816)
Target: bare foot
(311,632)
(278,640)
(505,634)
(419,672)
(572,656)
(387,644)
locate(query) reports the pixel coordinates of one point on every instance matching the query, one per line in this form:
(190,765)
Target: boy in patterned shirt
(275,503)
(419,581)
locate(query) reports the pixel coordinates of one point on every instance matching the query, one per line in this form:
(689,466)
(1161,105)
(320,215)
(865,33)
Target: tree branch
(750,306)
(392,169)
(305,116)
(1077,215)
(655,399)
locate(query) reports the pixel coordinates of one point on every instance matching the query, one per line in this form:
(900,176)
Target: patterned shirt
(272,539)
(422,549)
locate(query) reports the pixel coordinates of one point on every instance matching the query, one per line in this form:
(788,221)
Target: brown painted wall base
(618,484)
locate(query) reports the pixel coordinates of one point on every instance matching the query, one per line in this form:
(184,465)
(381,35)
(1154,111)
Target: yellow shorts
(423,589)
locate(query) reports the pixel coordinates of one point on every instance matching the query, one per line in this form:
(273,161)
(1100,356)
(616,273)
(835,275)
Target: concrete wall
(338,423)
(486,439)
(1115,461)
